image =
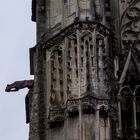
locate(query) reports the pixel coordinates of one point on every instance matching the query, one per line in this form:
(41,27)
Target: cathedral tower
(86,69)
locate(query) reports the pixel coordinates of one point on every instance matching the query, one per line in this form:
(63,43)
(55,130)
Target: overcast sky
(17,35)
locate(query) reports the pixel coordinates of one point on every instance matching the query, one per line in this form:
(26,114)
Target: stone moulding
(50,39)
(88,106)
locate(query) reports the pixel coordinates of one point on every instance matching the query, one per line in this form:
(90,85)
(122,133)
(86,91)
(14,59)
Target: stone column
(108,129)
(103,11)
(119,133)
(79,84)
(101,67)
(73,71)
(134,116)
(98,7)
(65,59)
(95,74)
(97,124)
(77,9)
(92,9)
(57,84)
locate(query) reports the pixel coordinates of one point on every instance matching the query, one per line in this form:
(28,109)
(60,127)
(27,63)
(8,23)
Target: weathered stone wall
(74,71)
(38,123)
(40,18)
(129,61)
(77,83)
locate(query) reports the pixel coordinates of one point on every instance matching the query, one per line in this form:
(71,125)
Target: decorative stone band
(49,39)
(88,104)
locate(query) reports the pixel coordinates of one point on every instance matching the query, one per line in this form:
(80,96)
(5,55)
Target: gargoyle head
(11,87)
(17,85)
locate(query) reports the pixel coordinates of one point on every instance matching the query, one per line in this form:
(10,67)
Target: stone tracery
(86,53)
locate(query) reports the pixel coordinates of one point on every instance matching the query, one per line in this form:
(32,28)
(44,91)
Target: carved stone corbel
(88,105)
(73,107)
(56,118)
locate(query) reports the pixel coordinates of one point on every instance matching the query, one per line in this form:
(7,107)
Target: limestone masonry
(86,67)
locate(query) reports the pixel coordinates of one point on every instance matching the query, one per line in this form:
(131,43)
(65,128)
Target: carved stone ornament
(104,108)
(56,118)
(53,40)
(130,29)
(130,24)
(103,102)
(88,104)
(133,13)
(63,85)
(73,107)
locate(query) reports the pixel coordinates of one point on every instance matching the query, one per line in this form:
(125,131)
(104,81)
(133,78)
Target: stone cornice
(88,106)
(50,39)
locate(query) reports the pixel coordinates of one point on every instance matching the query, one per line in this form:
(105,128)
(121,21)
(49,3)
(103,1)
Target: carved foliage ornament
(130,29)
(130,24)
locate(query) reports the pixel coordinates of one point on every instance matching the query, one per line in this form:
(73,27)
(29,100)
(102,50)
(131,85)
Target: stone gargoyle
(17,85)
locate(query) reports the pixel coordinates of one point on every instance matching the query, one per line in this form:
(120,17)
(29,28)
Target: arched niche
(126,111)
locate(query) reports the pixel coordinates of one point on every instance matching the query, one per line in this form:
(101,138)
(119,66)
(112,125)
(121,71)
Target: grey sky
(17,35)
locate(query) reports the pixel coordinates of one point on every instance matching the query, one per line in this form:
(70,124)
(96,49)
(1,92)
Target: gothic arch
(125,108)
